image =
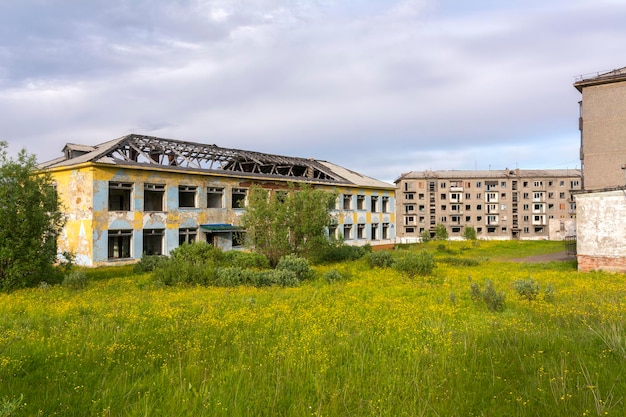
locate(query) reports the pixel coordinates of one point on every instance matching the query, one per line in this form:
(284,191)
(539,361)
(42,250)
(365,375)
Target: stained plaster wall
(601,236)
(365,216)
(84,192)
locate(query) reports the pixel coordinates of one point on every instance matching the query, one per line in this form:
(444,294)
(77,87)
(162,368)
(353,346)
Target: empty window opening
(187,235)
(347,201)
(360,202)
(374,204)
(385,207)
(238,198)
(347,231)
(153,241)
(120,196)
(385,231)
(119,244)
(153,197)
(215,197)
(238,239)
(374,231)
(186,196)
(360,231)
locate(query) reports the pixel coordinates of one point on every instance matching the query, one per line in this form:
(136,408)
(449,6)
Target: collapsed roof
(141,150)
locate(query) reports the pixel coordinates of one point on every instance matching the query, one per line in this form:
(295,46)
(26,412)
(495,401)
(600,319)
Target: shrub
(282,277)
(197,253)
(300,266)
(527,289)
(459,261)
(243,259)
(333,275)
(469,233)
(337,252)
(190,264)
(76,280)
(441,232)
(493,299)
(425,236)
(422,263)
(232,276)
(380,259)
(149,263)
(548,294)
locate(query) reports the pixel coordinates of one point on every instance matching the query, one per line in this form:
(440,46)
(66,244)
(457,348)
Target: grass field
(377,344)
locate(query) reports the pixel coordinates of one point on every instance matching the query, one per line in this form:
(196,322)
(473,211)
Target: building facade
(507,204)
(601,206)
(602,125)
(139,195)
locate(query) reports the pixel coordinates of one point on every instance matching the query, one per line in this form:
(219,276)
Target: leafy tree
(469,233)
(441,233)
(289,221)
(30,222)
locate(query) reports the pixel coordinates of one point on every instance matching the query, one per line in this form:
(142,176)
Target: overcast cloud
(380,87)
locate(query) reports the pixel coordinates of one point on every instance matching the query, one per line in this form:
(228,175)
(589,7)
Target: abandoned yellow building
(139,195)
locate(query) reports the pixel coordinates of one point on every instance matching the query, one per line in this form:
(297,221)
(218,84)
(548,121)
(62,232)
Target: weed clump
(527,289)
(412,265)
(493,299)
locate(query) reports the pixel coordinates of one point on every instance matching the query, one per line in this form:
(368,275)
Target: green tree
(287,221)
(469,233)
(30,222)
(441,233)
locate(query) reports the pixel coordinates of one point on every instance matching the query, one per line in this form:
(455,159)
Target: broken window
(347,201)
(347,231)
(215,197)
(188,235)
(332,231)
(120,196)
(238,238)
(409,230)
(385,231)
(153,241)
(153,197)
(374,204)
(186,196)
(238,198)
(360,202)
(119,244)
(385,207)
(374,231)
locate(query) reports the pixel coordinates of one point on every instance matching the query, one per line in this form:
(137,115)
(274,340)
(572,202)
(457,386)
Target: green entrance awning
(220,227)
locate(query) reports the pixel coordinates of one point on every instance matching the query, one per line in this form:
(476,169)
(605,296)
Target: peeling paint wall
(601,235)
(84,192)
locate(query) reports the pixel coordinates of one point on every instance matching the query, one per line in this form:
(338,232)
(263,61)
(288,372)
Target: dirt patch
(548,257)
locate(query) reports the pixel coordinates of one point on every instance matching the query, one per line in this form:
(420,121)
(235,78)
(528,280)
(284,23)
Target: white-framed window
(187,196)
(120,196)
(238,198)
(215,197)
(153,197)
(119,244)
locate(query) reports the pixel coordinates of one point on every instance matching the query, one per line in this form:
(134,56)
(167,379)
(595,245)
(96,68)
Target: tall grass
(379,344)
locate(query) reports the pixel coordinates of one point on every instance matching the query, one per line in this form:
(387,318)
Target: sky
(380,87)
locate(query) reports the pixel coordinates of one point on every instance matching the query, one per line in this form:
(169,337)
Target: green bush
(149,263)
(300,266)
(411,264)
(493,299)
(441,232)
(527,289)
(380,259)
(190,264)
(333,252)
(332,275)
(425,236)
(232,276)
(459,261)
(280,277)
(241,259)
(76,280)
(548,294)
(469,233)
